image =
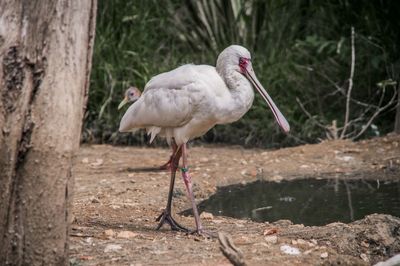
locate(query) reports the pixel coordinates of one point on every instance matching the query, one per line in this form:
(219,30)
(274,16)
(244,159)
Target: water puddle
(306,201)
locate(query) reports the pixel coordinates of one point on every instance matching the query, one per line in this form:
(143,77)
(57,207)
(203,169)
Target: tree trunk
(397,118)
(45,62)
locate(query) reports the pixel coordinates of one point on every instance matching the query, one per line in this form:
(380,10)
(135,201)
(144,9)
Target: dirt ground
(116,203)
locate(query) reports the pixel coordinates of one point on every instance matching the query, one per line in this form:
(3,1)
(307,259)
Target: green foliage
(301,49)
(133,43)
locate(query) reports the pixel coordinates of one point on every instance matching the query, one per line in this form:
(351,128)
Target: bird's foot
(165,217)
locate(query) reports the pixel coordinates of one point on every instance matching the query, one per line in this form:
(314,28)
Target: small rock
(324,255)
(364,257)
(85,160)
(94,200)
(283,223)
(112,247)
(244,162)
(126,234)
(307,251)
(395,260)
(206,216)
(271,239)
(302,242)
(345,158)
(98,162)
(277,178)
(365,244)
(270,231)
(290,250)
(109,233)
(294,242)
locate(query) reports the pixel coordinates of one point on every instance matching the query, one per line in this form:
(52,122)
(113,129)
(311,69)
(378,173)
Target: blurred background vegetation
(301,53)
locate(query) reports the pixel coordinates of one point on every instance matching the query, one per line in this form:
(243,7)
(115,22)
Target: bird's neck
(239,99)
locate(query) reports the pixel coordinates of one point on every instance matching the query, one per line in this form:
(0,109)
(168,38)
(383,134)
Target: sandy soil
(116,203)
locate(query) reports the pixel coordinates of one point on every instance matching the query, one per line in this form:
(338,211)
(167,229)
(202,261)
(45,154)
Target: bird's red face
(247,70)
(243,63)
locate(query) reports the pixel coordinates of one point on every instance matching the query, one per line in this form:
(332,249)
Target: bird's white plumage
(188,101)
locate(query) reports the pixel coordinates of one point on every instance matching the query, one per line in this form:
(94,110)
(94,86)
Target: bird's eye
(243,62)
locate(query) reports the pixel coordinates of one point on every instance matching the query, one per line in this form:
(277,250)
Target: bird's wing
(170,99)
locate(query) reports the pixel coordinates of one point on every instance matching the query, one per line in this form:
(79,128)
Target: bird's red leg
(188,183)
(165,216)
(167,165)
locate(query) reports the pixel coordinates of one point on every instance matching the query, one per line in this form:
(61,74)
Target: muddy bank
(116,202)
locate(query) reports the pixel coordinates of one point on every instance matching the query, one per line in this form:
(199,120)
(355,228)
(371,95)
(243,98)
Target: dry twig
(353,59)
(230,251)
(332,131)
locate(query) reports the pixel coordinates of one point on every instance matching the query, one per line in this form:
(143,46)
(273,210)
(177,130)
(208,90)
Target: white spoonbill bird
(186,102)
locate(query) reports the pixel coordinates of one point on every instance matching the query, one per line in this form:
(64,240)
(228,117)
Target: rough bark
(45,61)
(397,118)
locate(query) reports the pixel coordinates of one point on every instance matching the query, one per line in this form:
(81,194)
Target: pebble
(302,242)
(126,234)
(109,233)
(364,257)
(271,239)
(324,255)
(112,247)
(98,162)
(277,178)
(94,200)
(290,250)
(206,216)
(270,231)
(307,251)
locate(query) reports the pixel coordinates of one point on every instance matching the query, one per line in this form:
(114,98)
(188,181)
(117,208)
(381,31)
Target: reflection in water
(306,201)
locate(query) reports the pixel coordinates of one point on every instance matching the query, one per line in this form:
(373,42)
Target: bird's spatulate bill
(283,123)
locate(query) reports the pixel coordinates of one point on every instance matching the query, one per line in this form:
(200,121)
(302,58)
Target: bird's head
(236,58)
(131,95)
